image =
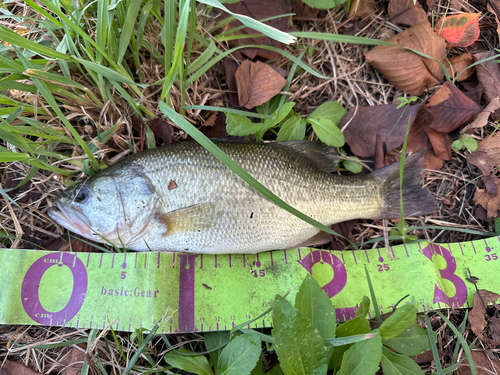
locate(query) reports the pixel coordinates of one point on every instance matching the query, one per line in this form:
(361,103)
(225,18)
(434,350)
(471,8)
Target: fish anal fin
(316,240)
(188,219)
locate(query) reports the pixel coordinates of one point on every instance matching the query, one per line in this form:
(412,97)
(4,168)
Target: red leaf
(460,29)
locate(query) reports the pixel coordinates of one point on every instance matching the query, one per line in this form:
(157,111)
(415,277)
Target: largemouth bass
(181,198)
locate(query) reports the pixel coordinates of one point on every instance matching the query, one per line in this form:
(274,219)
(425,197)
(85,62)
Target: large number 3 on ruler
(339,279)
(448,273)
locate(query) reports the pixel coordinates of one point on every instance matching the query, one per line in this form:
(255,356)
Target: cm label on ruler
(215,292)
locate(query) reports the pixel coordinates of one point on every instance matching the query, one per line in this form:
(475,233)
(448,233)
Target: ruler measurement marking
(461,248)
(342,254)
(258,264)
(136,254)
(473,248)
(124,265)
(407,255)
(244,261)
(230,265)
(145,259)
(100,263)
(173,260)
(300,256)
(158,265)
(215,260)
(392,251)
(113,261)
(88,259)
(201,261)
(367,259)
(286,260)
(354,255)
(272,262)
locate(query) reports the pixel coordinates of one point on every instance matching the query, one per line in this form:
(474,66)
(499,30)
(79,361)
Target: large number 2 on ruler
(460,296)
(337,283)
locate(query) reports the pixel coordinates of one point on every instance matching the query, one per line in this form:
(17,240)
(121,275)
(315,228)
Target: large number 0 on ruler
(216,292)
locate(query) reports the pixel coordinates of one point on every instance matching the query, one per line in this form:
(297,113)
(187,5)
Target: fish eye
(81,195)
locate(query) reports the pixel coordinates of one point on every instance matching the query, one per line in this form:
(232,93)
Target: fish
(181,198)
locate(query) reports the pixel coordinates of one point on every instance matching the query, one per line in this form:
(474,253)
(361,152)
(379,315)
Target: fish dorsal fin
(189,219)
(321,156)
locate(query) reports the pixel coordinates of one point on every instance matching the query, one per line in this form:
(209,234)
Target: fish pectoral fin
(189,219)
(317,239)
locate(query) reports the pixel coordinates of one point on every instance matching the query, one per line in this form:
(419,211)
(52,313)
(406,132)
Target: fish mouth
(70,218)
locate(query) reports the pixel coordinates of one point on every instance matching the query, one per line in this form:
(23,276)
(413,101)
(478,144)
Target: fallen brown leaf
(74,362)
(303,11)
(450,108)
(343,228)
(14,368)
(441,143)
(485,364)
(162,130)
(230,66)
(482,119)
(405,12)
(488,74)
(361,8)
(475,93)
(477,315)
(494,7)
(366,121)
(494,331)
(488,201)
(486,158)
(210,121)
(257,83)
(459,63)
(406,70)
(379,153)
(432,162)
(259,9)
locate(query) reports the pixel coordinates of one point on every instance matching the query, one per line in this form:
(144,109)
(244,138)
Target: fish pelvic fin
(188,219)
(416,200)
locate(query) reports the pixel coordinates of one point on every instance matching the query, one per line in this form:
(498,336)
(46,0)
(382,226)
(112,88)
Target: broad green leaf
(293,129)
(362,358)
(457,144)
(340,341)
(241,126)
(323,4)
(412,341)
(397,364)
(332,111)
(259,368)
(313,303)
(470,143)
(353,166)
(297,343)
(283,314)
(215,340)
(364,307)
(401,319)
(240,356)
(280,116)
(357,326)
(327,132)
(195,364)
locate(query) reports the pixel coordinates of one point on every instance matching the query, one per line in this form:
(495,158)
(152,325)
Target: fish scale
(212,292)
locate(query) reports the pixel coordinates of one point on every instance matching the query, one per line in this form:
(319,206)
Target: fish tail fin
(416,200)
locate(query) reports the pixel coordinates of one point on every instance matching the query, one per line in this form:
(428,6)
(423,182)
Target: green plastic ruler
(216,292)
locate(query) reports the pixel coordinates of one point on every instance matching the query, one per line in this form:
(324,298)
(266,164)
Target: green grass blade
(227,110)
(373,296)
(52,77)
(244,175)
(42,87)
(216,59)
(271,32)
(435,353)
(203,58)
(361,40)
(460,339)
(19,41)
(180,39)
(128,28)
